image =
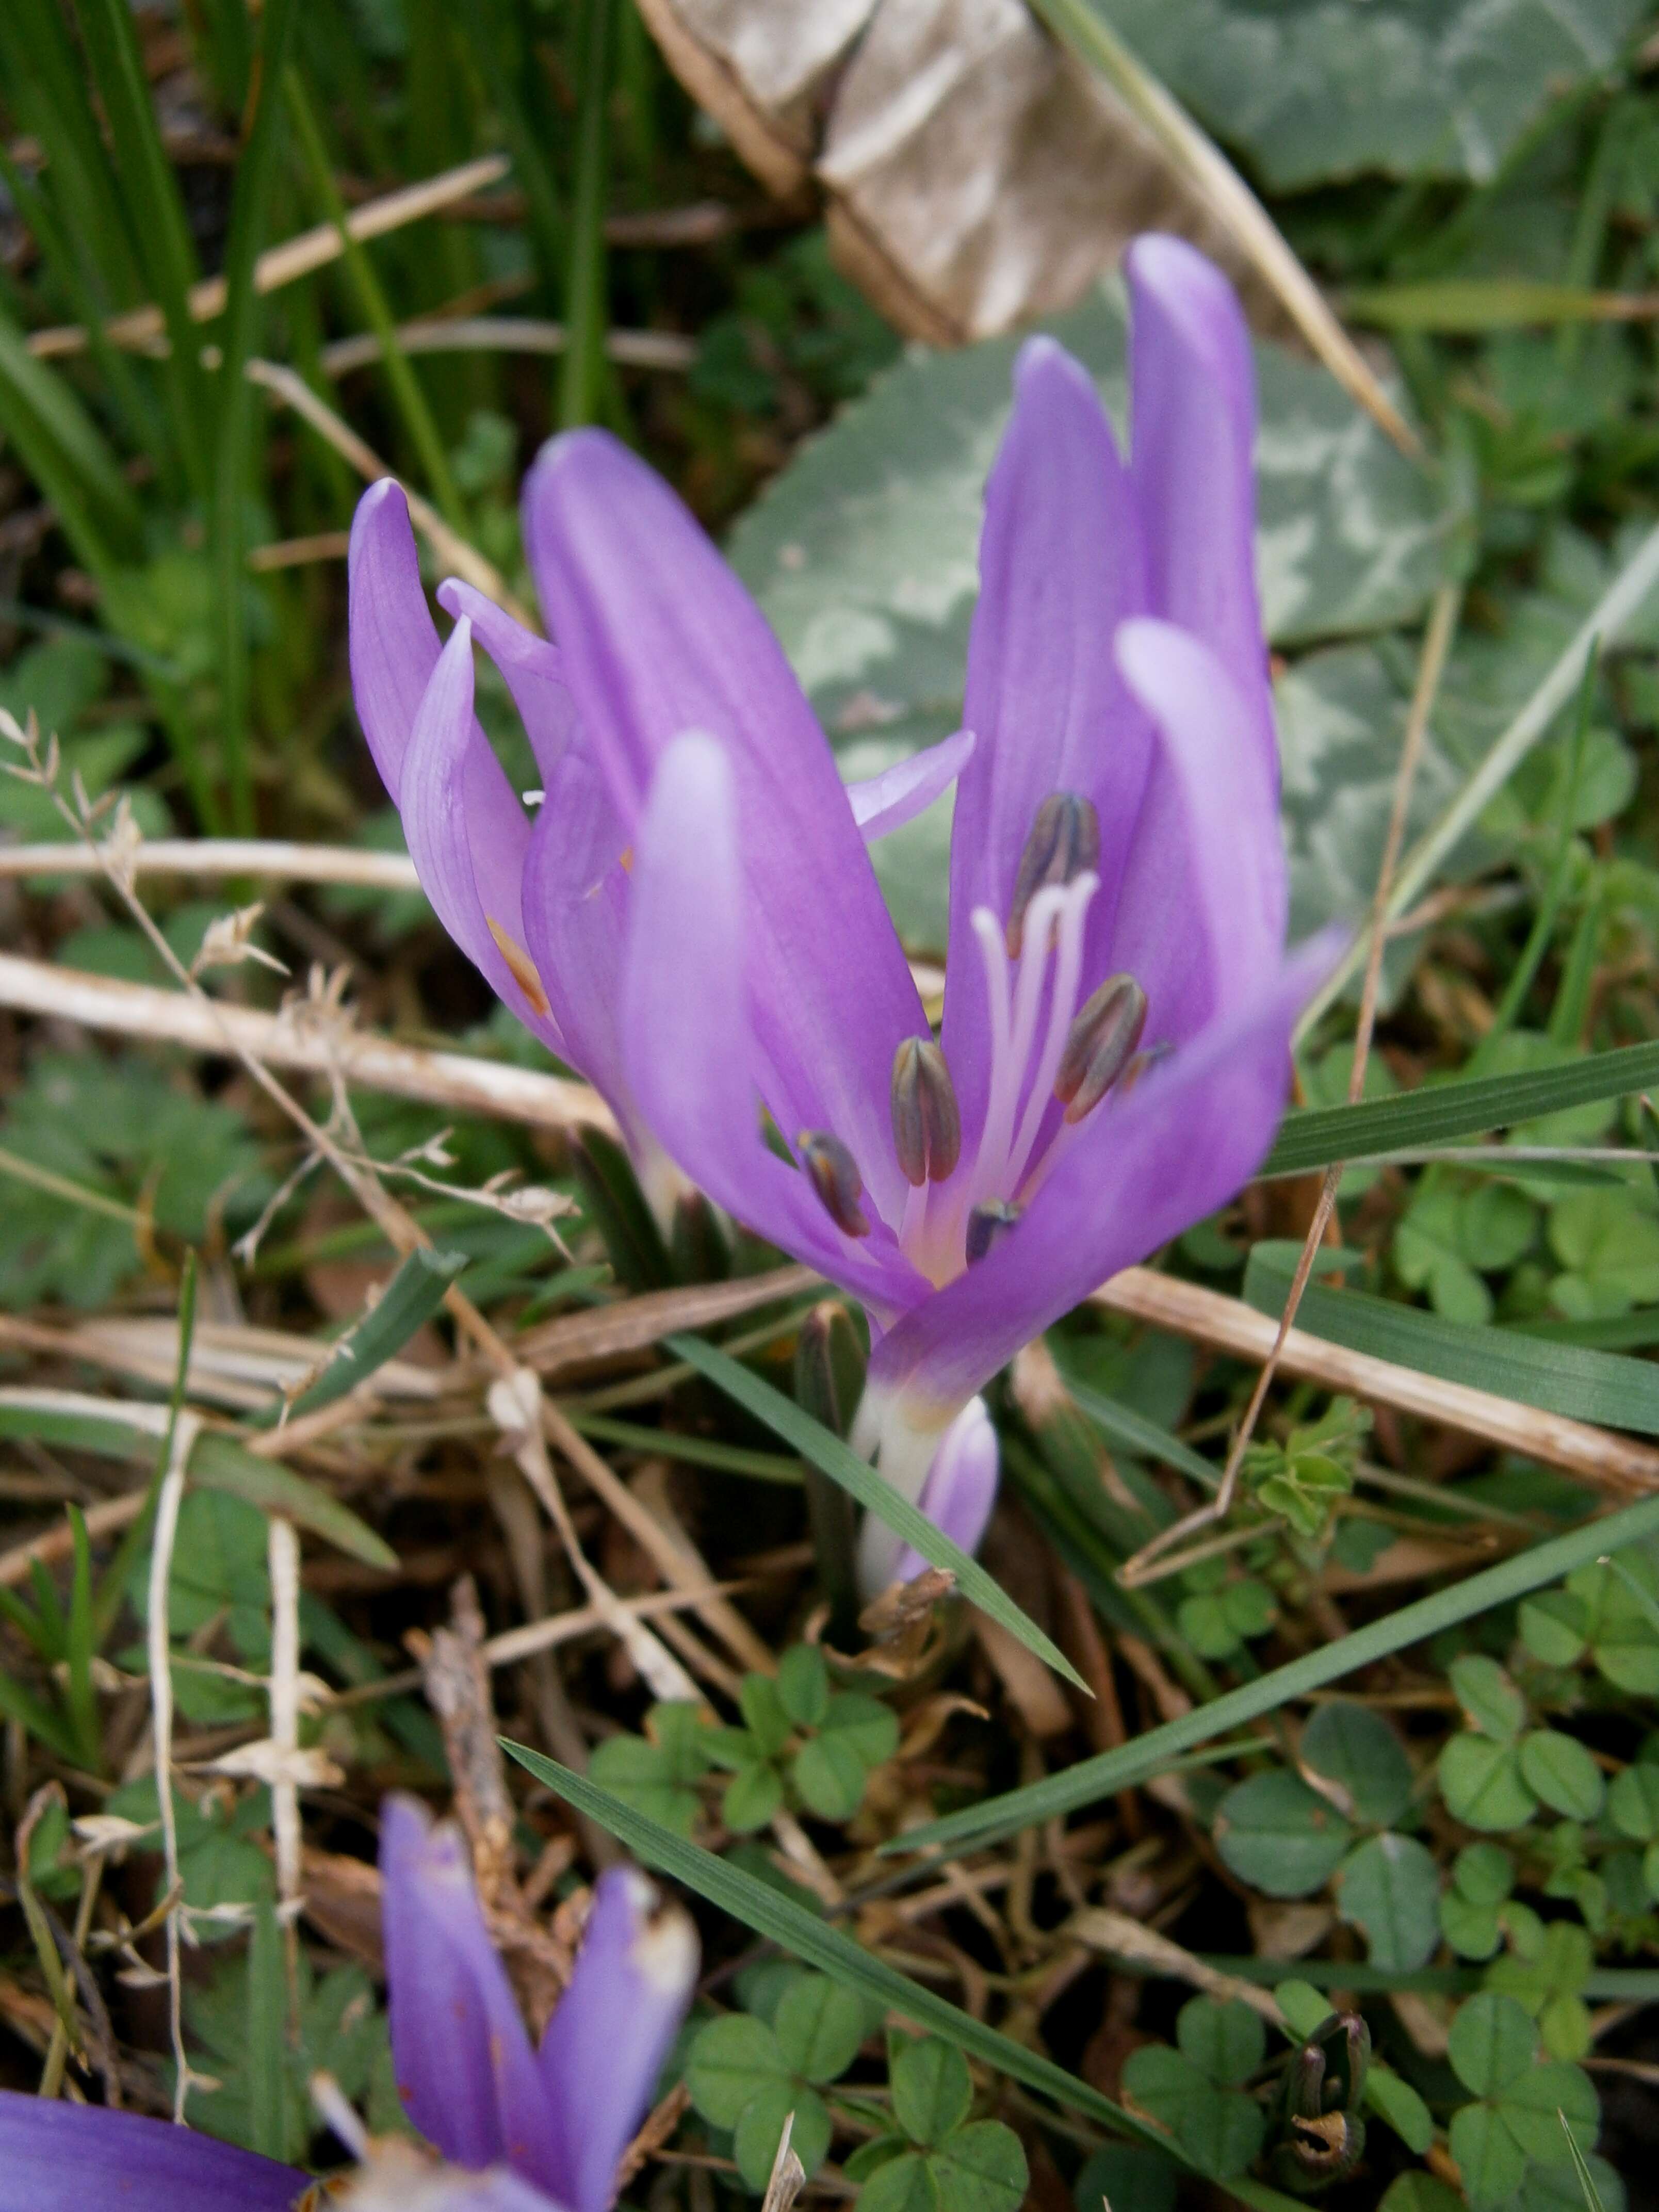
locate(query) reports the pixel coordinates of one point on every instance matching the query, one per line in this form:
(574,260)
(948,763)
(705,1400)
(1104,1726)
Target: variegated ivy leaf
(1314,89)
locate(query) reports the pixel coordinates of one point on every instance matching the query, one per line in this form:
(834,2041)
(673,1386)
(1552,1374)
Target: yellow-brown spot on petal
(523,967)
(626,857)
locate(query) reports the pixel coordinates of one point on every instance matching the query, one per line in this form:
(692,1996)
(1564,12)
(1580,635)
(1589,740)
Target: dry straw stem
(516,1644)
(231,1364)
(1082,26)
(1120,1937)
(282,1551)
(663,349)
(1611,1462)
(143,328)
(293,1040)
(450,548)
(578,1340)
(273,857)
(549,1102)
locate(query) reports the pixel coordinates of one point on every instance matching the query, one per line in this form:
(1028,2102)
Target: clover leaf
(1280,1836)
(748,2075)
(1514,2123)
(937,2160)
(1355,1748)
(1547,1974)
(1389,1888)
(1472,1911)
(1193,2092)
(656,1773)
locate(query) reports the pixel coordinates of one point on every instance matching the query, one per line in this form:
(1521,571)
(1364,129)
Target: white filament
(1053,937)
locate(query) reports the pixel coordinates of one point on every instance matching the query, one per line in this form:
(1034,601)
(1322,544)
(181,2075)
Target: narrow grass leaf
(692,1451)
(67,455)
(250,213)
(1133,1432)
(1580,2167)
(79,1643)
(1314,1137)
(160,229)
(219,1463)
(799,1931)
(407,395)
(842,1465)
(1559,1378)
(407,1304)
(265,2053)
(1091,1779)
(582,372)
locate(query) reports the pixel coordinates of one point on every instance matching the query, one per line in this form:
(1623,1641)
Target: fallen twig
(1611,1462)
(291,1040)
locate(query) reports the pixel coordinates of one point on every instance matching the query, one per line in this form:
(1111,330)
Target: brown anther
(521,967)
(835,1176)
(987,1225)
(1065,840)
(1100,1044)
(926,1123)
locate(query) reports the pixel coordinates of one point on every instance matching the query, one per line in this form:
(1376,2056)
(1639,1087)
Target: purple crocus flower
(693,920)
(534,2131)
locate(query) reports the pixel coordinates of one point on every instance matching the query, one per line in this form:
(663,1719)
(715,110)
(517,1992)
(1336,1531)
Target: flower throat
(1047,1050)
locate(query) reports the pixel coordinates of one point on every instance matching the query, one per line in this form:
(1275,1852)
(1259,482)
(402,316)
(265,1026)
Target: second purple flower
(693,922)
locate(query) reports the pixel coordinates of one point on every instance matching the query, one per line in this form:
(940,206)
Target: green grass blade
(46,82)
(1133,1432)
(219,1463)
(1558,1378)
(88,295)
(407,1304)
(162,231)
(1468,306)
(67,456)
(266,2054)
(250,214)
(496,49)
(692,1451)
(582,372)
(80,1632)
(1092,1779)
(22,1705)
(802,1933)
(1315,1136)
(404,386)
(824,1449)
(1586,2179)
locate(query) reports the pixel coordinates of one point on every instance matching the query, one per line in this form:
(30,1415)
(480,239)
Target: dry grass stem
(143,329)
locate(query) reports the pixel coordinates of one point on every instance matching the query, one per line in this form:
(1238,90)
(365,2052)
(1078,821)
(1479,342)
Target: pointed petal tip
(1159,259)
(1165,273)
(1043,364)
(382,491)
(575,459)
